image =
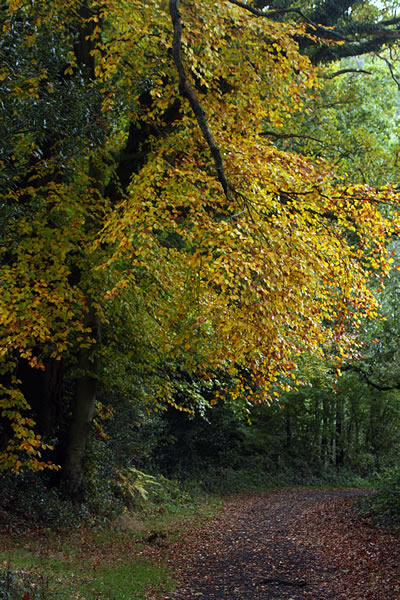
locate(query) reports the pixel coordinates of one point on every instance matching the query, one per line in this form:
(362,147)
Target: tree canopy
(149,221)
(345,28)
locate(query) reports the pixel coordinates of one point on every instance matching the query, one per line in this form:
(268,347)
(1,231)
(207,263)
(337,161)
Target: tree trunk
(86,384)
(317,429)
(324,434)
(82,417)
(339,441)
(288,424)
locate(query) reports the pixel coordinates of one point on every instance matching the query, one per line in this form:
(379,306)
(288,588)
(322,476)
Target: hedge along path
(287,544)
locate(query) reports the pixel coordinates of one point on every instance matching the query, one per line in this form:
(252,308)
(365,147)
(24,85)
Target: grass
(79,576)
(49,579)
(116,562)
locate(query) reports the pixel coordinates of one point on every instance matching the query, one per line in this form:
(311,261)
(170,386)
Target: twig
(287,136)
(390,66)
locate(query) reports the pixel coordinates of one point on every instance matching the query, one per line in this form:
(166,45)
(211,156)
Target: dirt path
(288,545)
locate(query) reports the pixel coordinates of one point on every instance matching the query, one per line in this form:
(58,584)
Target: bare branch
(390,66)
(288,136)
(344,71)
(188,92)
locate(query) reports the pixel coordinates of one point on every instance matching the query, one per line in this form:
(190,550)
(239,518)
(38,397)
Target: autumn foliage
(240,265)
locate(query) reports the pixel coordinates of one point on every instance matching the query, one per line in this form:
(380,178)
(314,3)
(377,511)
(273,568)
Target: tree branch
(287,136)
(188,92)
(344,71)
(365,376)
(282,11)
(328,53)
(390,67)
(394,21)
(268,13)
(330,20)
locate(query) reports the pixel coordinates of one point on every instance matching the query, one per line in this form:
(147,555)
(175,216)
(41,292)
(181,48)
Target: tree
(346,28)
(171,207)
(347,123)
(356,422)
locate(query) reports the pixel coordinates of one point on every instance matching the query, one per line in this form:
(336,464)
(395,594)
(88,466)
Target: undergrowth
(383,507)
(55,549)
(89,557)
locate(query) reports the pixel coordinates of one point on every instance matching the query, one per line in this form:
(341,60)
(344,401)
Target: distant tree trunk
(372,435)
(317,429)
(288,423)
(353,428)
(325,431)
(357,435)
(339,441)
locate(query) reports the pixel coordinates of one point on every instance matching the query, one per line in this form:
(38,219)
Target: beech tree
(357,28)
(351,121)
(170,220)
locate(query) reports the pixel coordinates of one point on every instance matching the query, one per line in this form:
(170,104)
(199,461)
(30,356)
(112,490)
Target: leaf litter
(297,544)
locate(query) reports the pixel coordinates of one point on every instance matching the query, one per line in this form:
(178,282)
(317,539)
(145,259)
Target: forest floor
(286,545)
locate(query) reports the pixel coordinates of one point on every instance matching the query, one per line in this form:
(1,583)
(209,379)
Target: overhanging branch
(345,71)
(329,20)
(188,92)
(369,381)
(326,32)
(288,136)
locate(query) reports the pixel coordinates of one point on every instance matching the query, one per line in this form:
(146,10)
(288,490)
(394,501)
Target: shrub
(384,505)
(147,492)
